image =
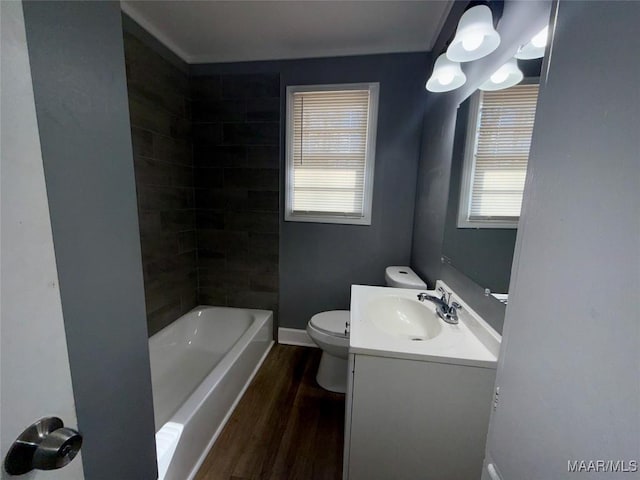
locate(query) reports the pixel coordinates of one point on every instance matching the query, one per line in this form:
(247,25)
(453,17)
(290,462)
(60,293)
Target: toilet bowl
(329,331)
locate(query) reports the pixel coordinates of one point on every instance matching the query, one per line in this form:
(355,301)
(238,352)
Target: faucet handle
(446,296)
(456,305)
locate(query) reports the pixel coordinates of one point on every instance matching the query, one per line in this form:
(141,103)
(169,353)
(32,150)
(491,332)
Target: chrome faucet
(448,312)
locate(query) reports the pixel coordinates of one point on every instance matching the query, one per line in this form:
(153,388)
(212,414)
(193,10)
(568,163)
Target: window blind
(329,147)
(501,153)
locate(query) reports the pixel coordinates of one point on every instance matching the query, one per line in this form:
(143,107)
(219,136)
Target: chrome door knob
(45,445)
(57,449)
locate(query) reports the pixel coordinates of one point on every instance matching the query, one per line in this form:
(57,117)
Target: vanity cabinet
(415,420)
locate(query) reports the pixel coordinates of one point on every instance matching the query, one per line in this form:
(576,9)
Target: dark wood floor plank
(283,383)
(330,436)
(295,457)
(284,427)
(259,399)
(275,379)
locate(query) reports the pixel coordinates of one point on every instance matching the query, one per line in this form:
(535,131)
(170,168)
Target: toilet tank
(403,277)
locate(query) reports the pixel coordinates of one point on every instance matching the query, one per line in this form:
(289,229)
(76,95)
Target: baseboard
(295,336)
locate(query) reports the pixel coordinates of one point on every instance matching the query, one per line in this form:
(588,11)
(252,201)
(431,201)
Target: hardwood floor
(285,426)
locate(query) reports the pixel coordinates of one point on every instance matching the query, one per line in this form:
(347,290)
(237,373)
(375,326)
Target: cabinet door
(418,420)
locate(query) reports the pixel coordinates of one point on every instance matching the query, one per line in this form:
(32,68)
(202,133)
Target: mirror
(482,180)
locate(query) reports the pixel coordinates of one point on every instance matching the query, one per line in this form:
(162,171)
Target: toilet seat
(331,323)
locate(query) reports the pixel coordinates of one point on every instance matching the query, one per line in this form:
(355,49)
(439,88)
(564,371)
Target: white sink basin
(403,317)
(391,322)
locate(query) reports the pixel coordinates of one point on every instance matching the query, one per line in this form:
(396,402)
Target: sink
(392,323)
(403,317)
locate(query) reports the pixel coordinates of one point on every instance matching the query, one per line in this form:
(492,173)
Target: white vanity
(419,391)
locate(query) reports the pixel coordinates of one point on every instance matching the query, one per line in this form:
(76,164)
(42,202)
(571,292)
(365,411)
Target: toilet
(329,330)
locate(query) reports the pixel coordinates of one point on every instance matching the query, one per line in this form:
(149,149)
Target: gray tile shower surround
(206,157)
(236,128)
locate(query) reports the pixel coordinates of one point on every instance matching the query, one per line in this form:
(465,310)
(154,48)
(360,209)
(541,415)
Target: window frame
(469,167)
(372,124)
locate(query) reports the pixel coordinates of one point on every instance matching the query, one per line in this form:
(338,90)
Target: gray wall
(519,22)
(236,152)
(160,112)
(433,185)
(319,262)
(77,64)
(570,360)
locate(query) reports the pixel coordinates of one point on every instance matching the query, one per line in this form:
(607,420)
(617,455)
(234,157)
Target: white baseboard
(295,336)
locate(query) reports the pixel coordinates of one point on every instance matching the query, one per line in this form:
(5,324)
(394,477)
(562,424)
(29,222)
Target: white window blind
(330,154)
(504,125)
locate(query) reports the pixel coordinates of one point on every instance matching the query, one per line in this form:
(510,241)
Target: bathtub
(201,365)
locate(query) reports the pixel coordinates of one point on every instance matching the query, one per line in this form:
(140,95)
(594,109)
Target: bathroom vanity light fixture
(446,76)
(506,76)
(535,48)
(475,36)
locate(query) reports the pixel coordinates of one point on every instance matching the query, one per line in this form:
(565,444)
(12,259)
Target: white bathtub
(200,366)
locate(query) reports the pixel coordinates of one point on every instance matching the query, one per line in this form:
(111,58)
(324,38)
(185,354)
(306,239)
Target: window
(496,156)
(331,134)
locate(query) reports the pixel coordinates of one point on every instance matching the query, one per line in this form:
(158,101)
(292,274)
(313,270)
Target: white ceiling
(232,31)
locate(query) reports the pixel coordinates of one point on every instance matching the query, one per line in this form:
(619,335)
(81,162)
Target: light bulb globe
(534,48)
(445,78)
(540,40)
(446,75)
(475,36)
(472,41)
(506,76)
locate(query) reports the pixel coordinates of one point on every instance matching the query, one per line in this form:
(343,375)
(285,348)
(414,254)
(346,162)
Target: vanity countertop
(471,342)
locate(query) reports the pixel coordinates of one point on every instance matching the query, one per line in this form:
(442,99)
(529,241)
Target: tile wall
(159,108)
(236,128)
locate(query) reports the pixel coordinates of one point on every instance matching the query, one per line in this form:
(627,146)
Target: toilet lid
(332,322)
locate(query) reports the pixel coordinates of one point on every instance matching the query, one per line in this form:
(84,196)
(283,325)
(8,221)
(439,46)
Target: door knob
(45,445)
